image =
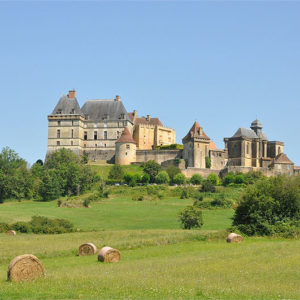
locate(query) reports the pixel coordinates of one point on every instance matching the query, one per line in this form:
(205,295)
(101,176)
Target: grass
(159,259)
(189,269)
(120,213)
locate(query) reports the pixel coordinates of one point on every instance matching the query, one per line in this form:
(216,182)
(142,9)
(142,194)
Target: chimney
(134,114)
(72,94)
(148,118)
(118,98)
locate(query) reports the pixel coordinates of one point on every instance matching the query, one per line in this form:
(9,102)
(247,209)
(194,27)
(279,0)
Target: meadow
(159,259)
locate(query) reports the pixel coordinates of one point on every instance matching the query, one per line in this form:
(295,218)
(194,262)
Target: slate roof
(108,109)
(194,133)
(144,120)
(256,124)
(281,158)
(65,106)
(126,137)
(245,132)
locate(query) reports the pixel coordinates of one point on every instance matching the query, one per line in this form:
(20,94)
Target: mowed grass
(159,259)
(189,269)
(118,213)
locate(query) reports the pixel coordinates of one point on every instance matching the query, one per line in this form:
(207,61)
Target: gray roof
(66,105)
(104,109)
(245,132)
(262,135)
(256,123)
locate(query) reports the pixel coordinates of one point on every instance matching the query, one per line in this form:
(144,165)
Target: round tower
(125,149)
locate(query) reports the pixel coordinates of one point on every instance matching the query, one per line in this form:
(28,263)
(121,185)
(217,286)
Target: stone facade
(150,132)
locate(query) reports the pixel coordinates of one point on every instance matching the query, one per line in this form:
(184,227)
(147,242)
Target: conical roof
(126,137)
(195,132)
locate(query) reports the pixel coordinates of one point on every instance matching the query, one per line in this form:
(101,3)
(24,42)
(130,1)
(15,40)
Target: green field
(159,259)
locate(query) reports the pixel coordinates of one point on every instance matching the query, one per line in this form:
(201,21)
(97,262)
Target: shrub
(196,179)
(207,186)
(145,178)
(86,202)
(213,178)
(191,217)
(50,226)
(138,198)
(184,194)
(228,179)
(269,206)
(116,172)
(179,179)
(22,227)
(221,201)
(4,227)
(198,198)
(239,179)
(128,177)
(207,162)
(162,178)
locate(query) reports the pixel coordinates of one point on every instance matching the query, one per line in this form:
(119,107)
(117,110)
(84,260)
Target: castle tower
(196,147)
(125,149)
(65,124)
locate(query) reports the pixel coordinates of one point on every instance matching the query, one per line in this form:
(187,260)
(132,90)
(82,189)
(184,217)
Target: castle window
(84,145)
(95,145)
(71,143)
(72,122)
(104,145)
(72,133)
(247,150)
(58,143)
(85,135)
(105,117)
(73,111)
(118,134)
(105,135)
(59,112)
(95,135)
(128,147)
(279,150)
(58,123)
(122,116)
(58,133)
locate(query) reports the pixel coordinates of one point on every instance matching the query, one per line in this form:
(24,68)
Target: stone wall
(158,155)
(189,172)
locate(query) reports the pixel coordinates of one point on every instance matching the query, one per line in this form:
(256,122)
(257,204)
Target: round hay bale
(25,267)
(11,232)
(234,238)
(108,254)
(87,249)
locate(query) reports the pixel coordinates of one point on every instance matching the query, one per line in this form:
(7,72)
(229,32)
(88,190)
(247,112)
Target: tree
(152,168)
(191,217)
(172,171)
(179,179)
(50,187)
(162,178)
(207,162)
(196,179)
(268,206)
(116,172)
(207,186)
(145,178)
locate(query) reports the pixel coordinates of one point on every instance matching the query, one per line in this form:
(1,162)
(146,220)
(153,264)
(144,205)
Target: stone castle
(103,130)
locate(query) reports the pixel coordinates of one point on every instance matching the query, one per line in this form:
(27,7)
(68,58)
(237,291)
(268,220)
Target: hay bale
(108,254)
(87,249)
(234,238)
(11,232)
(25,267)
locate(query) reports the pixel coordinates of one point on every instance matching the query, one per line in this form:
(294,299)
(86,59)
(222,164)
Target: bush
(138,198)
(198,198)
(191,217)
(116,172)
(50,226)
(207,186)
(213,178)
(86,202)
(179,179)
(196,179)
(229,179)
(4,227)
(221,201)
(145,178)
(128,177)
(162,178)
(184,194)
(269,206)
(239,179)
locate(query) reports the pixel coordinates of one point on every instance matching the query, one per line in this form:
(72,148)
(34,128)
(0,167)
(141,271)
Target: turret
(125,149)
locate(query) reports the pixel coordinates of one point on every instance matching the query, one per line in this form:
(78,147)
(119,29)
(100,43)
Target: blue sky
(221,63)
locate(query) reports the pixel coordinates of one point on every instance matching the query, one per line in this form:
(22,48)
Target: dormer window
(122,116)
(73,111)
(105,117)
(59,111)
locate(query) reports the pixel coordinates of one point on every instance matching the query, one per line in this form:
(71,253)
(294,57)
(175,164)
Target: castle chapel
(103,130)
